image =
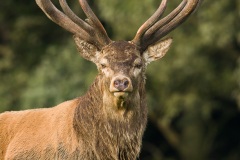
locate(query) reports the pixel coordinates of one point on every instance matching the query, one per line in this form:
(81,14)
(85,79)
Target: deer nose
(120,84)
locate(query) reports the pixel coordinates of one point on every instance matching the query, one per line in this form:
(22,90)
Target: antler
(91,31)
(155,28)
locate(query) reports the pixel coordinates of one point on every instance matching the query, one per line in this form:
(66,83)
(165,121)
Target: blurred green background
(193,92)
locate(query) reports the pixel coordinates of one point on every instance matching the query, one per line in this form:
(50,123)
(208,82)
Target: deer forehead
(120,52)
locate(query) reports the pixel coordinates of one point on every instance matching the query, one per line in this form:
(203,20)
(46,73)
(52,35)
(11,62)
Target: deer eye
(103,65)
(138,65)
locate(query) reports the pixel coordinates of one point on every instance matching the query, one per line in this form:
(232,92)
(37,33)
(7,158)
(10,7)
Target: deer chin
(120,99)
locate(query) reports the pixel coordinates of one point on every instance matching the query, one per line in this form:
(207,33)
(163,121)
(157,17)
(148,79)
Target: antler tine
(153,19)
(165,20)
(93,20)
(176,20)
(62,20)
(74,17)
(168,23)
(91,31)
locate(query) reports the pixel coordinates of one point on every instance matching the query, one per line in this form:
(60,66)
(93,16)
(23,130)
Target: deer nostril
(117,83)
(125,83)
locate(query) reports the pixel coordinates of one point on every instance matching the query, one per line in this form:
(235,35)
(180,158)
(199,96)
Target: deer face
(122,65)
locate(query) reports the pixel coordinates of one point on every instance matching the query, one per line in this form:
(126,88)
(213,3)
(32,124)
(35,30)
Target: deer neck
(102,121)
(101,101)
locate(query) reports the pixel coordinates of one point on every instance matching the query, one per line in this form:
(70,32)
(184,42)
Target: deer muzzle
(120,86)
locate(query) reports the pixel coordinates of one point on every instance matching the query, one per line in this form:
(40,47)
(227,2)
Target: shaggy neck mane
(108,135)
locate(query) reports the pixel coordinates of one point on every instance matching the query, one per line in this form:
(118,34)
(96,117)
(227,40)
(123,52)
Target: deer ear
(157,51)
(86,50)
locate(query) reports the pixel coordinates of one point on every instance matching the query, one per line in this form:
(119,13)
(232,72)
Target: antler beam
(91,31)
(154,28)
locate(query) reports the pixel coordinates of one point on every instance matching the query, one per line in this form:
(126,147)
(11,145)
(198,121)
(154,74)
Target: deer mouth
(121,94)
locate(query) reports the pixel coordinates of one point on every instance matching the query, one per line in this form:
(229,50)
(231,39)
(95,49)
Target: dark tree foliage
(193,93)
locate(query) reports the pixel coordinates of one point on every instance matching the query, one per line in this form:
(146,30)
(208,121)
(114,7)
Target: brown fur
(39,134)
(91,134)
(54,133)
(95,126)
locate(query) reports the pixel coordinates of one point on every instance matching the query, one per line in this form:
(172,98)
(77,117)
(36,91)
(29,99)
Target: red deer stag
(108,122)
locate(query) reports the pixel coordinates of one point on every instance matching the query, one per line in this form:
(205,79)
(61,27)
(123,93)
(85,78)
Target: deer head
(121,64)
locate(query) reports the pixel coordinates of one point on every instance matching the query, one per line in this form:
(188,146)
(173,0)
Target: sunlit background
(193,92)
